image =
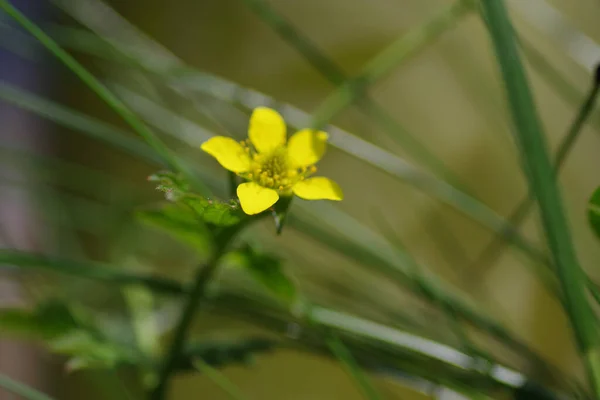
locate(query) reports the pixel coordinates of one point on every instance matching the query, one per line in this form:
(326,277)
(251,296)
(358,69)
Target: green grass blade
(372,251)
(220,380)
(540,175)
(570,93)
(88,270)
(73,119)
(95,85)
(382,64)
(492,251)
(21,389)
(338,348)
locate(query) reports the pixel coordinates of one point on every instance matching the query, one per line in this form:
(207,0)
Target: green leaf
(594,211)
(220,353)
(215,212)
(173,185)
(212,212)
(49,320)
(65,331)
(266,270)
(89,351)
(179,222)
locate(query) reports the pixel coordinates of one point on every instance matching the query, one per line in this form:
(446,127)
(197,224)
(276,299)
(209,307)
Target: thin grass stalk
(540,175)
(22,390)
(492,251)
(383,63)
(341,352)
(100,89)
(220,380)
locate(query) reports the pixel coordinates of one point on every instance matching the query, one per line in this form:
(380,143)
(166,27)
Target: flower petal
(255,198)
(229,153)
(318,188)
(306,147)
(266,129)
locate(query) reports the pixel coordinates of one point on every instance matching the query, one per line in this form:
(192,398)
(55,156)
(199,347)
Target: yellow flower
(272,168)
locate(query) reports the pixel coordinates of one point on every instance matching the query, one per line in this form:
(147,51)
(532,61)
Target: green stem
(90,270)
(382,64)
(219,379)
(203,277)
(338,349)
(232,184)
(540,175)
(97,87)
(21,389)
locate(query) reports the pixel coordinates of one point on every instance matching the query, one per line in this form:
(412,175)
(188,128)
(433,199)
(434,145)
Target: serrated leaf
(212,212)
(173,185)
(267,270)
(594,211)
(215,212)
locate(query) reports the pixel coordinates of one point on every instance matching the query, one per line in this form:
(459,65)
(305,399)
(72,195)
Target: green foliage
(65,331)
(267,270)
(594,211)
(221,353)
(179,222)
(47,321)
(187,216)
(87,350)
(171,184)
(212,212)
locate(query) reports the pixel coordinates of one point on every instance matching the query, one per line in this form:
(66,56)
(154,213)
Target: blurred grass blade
(540,175)
(371,251)
(89,270)
(95,85)
(415,40)
(492,251)
(338,348)
(219,379)
(73,119)
(555,79)
(21,389)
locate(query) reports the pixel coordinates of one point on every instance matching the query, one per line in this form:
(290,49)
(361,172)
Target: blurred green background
(448,96)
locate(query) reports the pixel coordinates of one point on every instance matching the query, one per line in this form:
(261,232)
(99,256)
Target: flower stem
(204,275)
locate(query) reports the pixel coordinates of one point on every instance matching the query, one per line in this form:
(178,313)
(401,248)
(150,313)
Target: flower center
(273,170)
